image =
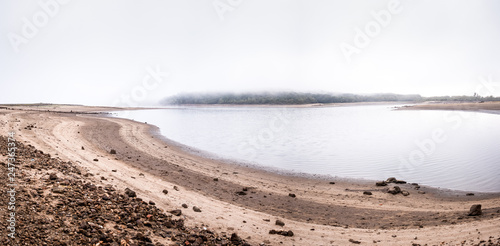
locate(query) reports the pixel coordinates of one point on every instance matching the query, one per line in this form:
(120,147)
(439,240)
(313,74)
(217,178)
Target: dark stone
(354,241)
(58,189)
(391,180)
(469,194)
(112,151)
(332,183)
(196,209)
(176,212)
(96,159)
(130,193)
(381,183)
(280,223)
(165,192)
(52,176)
(241,193)
(184,205)
(367,193)
(395,190)
(235,238)
(216,179)
(291,195)
(475,210)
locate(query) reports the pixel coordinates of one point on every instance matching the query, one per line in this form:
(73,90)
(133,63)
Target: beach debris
(354,241)
(279,223)
(475,210)
(130,193)
(165,191)
(381,183)
(282,233)
(291,195)
(196,209)
(176,212)
(112,151)
(367,193)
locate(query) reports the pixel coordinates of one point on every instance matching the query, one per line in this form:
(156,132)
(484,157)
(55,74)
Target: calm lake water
(447,149)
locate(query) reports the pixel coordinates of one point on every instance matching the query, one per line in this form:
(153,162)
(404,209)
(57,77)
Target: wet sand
(241,199)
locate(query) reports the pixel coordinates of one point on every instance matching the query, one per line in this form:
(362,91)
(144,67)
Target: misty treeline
(283,98)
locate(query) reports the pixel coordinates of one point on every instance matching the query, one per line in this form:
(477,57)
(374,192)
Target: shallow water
(447,149)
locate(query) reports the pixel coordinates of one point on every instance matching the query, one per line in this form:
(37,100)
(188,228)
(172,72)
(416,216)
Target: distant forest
(295,98)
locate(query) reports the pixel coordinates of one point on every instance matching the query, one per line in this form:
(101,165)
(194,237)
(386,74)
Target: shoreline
(195,178)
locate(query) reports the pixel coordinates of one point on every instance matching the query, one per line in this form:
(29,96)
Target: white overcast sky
(100,52)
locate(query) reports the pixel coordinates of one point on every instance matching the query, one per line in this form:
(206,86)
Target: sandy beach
(248,201)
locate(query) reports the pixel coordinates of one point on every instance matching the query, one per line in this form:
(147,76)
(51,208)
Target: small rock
(354,241)
(96,159)
(395,190)
(196,209)
(391,180)
(381,183)
(235,238)
(421,192)
(184,205)
(52,176)
(367,193)
(332,183)
(405,193)
(469,194)
(112,151)
(58,189)
(165,192)
(152,203)
(114,170)
(475,210)
(216,179)
(241,193)
(176,188)
(130,193)
(291,195)
(176,212)
(83,148)
(280,223)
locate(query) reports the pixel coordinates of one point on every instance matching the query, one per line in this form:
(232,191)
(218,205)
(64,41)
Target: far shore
(248,201)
